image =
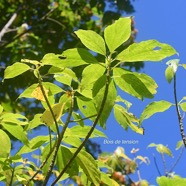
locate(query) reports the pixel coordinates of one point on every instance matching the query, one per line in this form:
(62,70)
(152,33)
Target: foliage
(30,29)
(95,94)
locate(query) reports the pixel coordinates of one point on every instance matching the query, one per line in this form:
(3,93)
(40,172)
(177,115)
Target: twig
(90,131)
(77,120)
(177,160)
(6,27)
(59,142)
(164,164)
(12,176)
(157,168)
(180,118)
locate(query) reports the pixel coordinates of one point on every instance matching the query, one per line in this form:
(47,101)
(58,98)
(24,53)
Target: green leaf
(82,132)
(179,144)
(15,70)
(78,118)
(86,106)
(150,50)
(161,149)
(1,109)
(135,84)
(72,140)
(92,41)
(89,166)
(117,33)
(127,103)
(63,156)
(98,94)
(105,178)
(66,77)
(5,144)
(16,131)
(175,181)
(34,144)
(153,108)
(184,66)
(69,58)
(17,119)
(169,74)
(171,69)
(183,106)
(89,77)
(53,89)
(126,119)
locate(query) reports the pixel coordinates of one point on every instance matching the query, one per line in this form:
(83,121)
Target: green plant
(93,91)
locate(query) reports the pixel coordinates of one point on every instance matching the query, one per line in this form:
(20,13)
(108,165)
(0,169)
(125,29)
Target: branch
(180,118)
(59,142)
(157,168)
(164,164)
(90,131)
(177,160)
(77,120)
(6,27)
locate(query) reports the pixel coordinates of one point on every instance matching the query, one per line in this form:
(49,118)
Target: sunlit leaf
(127,103)
(171,69)
(89,166)
(86,106)
(179,144)
(150,50)
(16,131)
(15,70)
(47,116)
(183,106)
(5,144)
(63,156)
(117,33)
(161,149)
(153,108)
(92,41)
(105,178)
(135,84)
(82,132)
(53,89)
(78,118)
(38,94)
(69,58)
(184,66)
(34,144)
(1,109)
(17,119)
(175,181)
(98,94)
(126,119)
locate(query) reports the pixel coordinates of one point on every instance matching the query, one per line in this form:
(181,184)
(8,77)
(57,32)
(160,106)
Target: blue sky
(165,22)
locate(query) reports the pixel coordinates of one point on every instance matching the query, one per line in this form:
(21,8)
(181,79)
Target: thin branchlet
(180,118)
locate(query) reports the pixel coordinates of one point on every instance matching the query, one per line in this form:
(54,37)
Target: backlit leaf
(183,106)
(38,94)
(150,50)
(153,108)
(175,181)
(136,84)
(16,131)
(5,144)
(15,70)
(89,166)
(53,89)
(92,41)
(126,119)
(98,94)
(69,58)
(117,33)
(47,117)
(179,144)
